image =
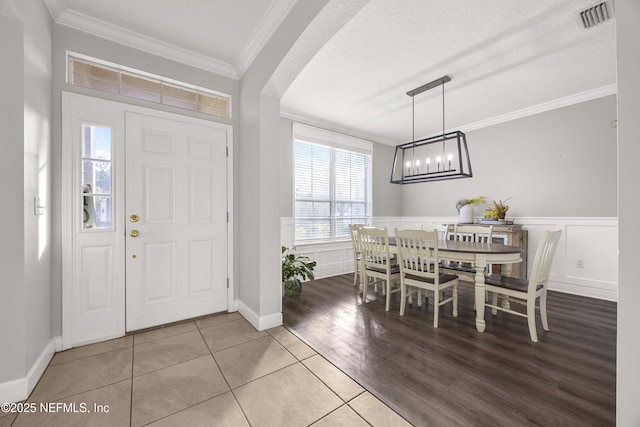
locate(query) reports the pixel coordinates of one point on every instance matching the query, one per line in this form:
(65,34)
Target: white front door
(175,221)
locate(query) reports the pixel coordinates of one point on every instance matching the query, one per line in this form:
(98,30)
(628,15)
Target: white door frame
(72,114)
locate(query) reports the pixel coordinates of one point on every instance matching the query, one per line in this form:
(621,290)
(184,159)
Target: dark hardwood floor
(456,376)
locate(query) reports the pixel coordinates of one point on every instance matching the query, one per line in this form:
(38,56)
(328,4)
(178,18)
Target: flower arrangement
(498,210)
(464,202)
(294,268)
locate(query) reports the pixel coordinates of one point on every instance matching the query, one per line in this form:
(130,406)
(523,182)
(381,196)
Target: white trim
(611,89)
(231,299)
(302,118)
(270,22)
(260,323)
(109,31)
(21,388)
(68,230)
(330,138)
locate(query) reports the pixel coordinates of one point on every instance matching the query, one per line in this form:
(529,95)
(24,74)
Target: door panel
(176,186)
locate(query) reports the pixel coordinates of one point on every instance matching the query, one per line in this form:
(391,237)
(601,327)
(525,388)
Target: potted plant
(295,269)
(498,211)
(465,209)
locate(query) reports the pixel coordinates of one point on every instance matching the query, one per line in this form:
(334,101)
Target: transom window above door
(106,77)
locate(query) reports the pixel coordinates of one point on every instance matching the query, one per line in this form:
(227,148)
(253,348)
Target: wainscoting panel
(586,262)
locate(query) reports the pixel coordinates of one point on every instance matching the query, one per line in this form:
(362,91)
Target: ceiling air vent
(594,15)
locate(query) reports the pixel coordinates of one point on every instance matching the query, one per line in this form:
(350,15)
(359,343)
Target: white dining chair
(468,233)
(419,268)
(527,291)
(442,229)
(378,266)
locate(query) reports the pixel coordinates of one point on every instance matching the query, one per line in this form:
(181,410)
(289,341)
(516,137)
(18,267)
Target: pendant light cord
(443,147)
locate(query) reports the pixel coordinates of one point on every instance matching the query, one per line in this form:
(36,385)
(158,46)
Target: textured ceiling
(353,66)
(502,56)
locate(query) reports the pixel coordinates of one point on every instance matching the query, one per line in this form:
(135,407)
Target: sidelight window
(97,177)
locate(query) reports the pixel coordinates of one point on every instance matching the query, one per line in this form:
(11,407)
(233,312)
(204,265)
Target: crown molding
(540,108)
(91,25)
(56,7)
(275,14)
(277,11)
(546,106)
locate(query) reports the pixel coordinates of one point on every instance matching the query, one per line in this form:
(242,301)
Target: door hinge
(227,283)
(227,151)
(227,216)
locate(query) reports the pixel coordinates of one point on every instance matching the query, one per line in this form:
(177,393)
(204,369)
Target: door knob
(134,218)
(133,233)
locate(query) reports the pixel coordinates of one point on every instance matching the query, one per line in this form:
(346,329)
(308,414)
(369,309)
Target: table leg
(480,264)
(505,299)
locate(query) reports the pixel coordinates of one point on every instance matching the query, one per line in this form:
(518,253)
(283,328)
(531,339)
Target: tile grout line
(244,415)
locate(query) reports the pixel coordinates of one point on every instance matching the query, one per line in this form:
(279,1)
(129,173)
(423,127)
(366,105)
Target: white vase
(466,215)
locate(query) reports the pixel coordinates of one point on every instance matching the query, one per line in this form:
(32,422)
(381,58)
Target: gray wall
(260,286)
(560,163)
(67,39)
(12,224)
(25,246)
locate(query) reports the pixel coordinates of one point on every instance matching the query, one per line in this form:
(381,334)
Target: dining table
(481,255)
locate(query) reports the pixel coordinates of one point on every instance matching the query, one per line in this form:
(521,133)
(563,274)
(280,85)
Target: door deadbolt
(133,233)
(134,218)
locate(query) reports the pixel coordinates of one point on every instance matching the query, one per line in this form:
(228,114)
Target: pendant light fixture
(436,158)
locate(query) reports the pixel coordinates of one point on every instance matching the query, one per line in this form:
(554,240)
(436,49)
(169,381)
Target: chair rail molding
(586,262)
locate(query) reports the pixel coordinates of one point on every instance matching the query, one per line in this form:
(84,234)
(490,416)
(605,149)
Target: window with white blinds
(332,184)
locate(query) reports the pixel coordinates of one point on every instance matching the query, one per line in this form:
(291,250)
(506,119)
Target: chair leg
(364,284)
(454,290)
(494,301)
(436,307)
(403,298)
(355,276)
(543,311)
(531,318)
(388,297)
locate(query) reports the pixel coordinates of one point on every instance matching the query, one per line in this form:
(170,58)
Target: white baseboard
(584,291)
(21,388)
(260,323)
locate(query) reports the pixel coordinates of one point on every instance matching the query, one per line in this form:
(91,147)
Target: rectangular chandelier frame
(437,158)
(432,159)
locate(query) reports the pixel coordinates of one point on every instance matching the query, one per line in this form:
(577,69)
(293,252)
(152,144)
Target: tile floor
(216,370)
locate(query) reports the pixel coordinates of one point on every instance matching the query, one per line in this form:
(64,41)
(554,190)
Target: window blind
(332,184)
